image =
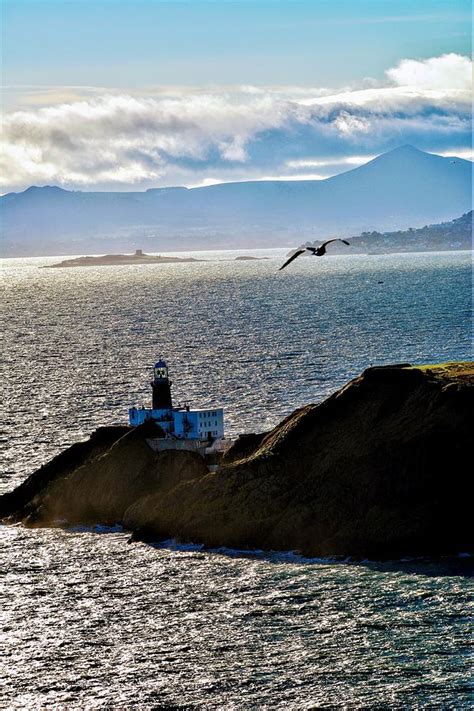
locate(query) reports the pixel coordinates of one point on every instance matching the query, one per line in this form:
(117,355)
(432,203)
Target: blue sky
(129,44)
(114,94)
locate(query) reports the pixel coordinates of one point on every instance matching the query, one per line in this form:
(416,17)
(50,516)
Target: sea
(91,622)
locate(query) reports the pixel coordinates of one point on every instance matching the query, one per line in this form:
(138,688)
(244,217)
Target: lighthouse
(177,423)
(161,386)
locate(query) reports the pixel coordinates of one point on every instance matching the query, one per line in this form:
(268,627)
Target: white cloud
(318,163)
(465,154)
(188,136)
(291,177)
(448,72)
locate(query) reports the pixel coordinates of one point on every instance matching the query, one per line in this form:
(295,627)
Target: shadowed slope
(22,499)
(379,469)
(94,482)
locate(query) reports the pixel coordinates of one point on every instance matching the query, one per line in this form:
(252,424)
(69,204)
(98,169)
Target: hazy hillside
(456,234)
(400,189)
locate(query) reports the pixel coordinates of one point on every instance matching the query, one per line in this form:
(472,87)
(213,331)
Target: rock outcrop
(96,481)
(379,469)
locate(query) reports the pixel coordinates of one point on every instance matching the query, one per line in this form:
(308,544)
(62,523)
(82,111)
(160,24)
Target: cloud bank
(188,137)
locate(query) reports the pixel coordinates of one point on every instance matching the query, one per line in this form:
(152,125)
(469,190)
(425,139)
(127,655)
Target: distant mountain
(403,188)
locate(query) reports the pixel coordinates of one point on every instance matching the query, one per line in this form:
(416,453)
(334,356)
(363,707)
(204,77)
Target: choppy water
(90,621)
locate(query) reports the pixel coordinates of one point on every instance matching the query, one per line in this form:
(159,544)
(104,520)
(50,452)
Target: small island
(246,258)
(119,259)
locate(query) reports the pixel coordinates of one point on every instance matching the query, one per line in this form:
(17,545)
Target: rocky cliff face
(97,481)
(379,469)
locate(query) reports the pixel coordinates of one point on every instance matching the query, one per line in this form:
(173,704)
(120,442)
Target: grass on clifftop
(450,371)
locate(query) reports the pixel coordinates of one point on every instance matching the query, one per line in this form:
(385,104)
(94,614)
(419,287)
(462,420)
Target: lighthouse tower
(181,422)
(161,387)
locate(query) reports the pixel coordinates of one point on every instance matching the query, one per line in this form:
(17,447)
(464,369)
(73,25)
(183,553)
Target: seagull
(317,251)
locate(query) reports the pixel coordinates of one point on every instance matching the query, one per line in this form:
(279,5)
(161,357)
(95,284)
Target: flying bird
(317,251)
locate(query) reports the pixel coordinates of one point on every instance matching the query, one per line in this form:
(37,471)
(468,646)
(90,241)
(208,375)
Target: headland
(378,470)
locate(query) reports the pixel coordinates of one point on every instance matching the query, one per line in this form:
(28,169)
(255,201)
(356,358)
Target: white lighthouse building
(180,423)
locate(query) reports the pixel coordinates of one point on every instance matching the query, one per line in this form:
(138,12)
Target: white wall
(191,424)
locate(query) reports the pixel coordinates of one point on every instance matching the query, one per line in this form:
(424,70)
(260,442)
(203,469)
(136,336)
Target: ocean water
(91,622)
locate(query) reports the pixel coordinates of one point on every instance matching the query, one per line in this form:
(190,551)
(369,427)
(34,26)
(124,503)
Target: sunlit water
(90,621)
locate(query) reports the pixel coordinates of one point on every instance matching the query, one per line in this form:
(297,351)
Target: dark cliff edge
(378,470)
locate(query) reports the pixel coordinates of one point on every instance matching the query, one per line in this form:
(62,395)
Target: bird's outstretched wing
(336,239)
(293,256)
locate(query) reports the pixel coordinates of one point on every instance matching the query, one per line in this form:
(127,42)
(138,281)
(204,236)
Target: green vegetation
(456,234)
(454,369)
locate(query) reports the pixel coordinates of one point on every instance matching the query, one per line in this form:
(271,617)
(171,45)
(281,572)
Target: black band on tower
(161,394)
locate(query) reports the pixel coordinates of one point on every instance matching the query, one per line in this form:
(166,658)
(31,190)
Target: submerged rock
(379,469)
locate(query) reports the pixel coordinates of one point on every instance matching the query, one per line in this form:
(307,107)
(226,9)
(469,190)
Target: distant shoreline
(132,259)
(451,236)
(170,257)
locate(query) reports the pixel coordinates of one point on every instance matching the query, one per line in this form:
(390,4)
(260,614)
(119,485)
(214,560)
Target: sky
(120,95)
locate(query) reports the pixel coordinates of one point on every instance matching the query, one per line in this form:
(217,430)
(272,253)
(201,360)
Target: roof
(198,409)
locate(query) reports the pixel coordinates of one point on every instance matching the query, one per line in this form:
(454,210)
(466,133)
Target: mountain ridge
(405,187)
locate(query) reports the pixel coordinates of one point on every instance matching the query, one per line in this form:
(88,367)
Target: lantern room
(160,370)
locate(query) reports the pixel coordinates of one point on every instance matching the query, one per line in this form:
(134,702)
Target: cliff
(96,481)
(379,469)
